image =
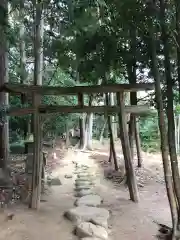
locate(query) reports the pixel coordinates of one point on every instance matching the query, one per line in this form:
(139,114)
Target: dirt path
(48,223)
(128,220)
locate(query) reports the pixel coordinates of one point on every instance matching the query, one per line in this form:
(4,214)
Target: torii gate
(37,109)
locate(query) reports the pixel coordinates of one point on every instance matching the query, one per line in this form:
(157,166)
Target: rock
(55,181)
(83,187)
(140,185)
(87,229)
(68,176)
(90,238)
(89,200)
(82,166)
(80,172)
(83,183)
(83,179)
(82,175)
(83,192)
(98,216)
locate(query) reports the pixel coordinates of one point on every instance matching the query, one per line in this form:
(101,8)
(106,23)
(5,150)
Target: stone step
(87,229)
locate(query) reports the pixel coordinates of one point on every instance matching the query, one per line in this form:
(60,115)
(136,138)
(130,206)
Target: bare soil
(128,220)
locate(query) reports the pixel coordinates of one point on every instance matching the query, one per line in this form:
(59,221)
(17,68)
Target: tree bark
(23,74)
(4,97)
(161,120)
(67,135)
(81,123)
(132,133)
(170,105)
(38,71)
(138,145)
(102,131)
(112,147)
(131,67)
(177,4)
(110,153)
(90,131)
(114,124)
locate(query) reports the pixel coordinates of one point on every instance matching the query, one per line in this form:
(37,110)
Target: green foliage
(149,133)
(84,41)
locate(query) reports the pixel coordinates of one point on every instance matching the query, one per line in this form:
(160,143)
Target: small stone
(83,192)
(68,176)
(95,215)
(56,182)
(83,183)
(83,179)
(82,175)
(83,187)
(87,229)
(82,166)
(80,172)
(89,200)
(140,185)
(90,238)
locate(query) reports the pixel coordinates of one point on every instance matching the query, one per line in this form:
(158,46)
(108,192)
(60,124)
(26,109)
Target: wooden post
(38,71)
(131,178)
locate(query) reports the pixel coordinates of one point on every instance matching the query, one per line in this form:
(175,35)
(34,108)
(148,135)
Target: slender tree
(170,105)
(22,48)
(4,129)
(177,4)
(38,71)
(161,118)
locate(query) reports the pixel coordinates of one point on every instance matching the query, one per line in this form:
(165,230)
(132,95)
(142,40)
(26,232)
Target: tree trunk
(131,133)
(4,98)
(138,145)
(67,135)
(131,68)
(177,4)
(170,106)
(85,130)
(112,147)
(81,131)
(38,71)
(162,124)
(110,153)
(90,131)
(114,124)
(102,131)
(82,123)
(22,48)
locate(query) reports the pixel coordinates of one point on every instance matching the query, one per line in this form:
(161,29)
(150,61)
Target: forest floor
(128,220)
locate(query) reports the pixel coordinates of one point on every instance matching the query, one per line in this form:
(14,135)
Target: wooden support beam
(14,111)
(93,109)
(131,178)
(55,90)
(46,109)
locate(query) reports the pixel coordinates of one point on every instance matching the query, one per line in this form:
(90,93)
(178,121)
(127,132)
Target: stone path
(89,218)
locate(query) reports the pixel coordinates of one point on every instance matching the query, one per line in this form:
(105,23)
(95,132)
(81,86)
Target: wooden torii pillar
(131,178)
